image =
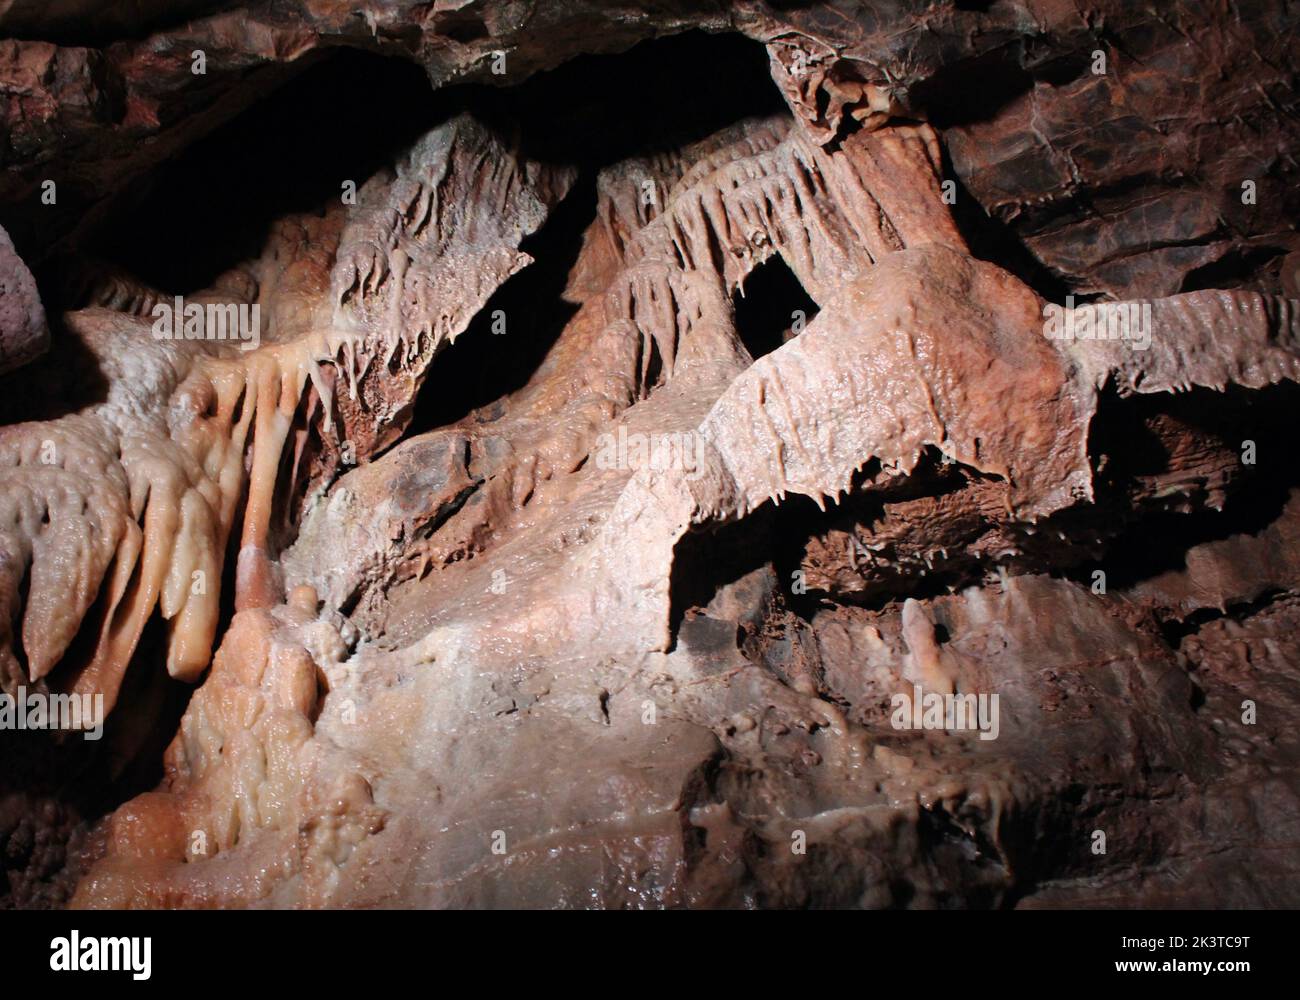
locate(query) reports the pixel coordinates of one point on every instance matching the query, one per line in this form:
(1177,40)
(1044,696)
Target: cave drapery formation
(639,399)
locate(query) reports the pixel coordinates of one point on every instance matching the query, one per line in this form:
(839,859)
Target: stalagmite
(193,435)
(793,464)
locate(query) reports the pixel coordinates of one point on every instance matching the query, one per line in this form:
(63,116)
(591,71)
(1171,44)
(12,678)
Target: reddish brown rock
(23,333)
(792,432)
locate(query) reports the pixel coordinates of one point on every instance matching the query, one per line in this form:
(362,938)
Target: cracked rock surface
(636,456)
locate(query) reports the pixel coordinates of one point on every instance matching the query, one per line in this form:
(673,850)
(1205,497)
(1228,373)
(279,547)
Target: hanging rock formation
(579,510)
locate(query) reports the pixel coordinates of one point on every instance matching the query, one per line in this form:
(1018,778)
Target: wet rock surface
(823,455)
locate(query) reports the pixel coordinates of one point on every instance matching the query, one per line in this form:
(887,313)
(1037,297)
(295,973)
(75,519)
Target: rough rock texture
(784,419)
(1127,181)
(23,333)
(373,295)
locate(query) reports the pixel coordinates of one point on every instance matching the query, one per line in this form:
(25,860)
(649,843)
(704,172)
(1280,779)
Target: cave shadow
(507,340)
(771,307)
(684,88)
(1158,542)
(346,116)
(65,380)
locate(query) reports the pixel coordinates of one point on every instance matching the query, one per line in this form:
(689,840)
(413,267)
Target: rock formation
(754,455)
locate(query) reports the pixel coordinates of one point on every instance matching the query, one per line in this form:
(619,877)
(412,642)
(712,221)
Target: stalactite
(138,497)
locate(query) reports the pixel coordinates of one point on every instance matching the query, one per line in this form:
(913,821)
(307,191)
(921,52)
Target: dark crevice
(1240,268)
(1175,630)
(529,310)
(1157,541)
(70,782)
(771,307)
(602,109)
(708,559)
(684,88)
(105,23)
(1129,539)
(62,381)
(993,239)
(213,205)
(950,97)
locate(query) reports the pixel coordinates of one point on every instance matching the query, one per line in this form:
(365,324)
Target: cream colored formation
(529,584)
(135,497)
(559,582)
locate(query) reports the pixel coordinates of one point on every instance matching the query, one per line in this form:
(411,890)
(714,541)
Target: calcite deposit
(638,456)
